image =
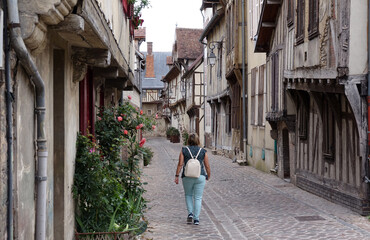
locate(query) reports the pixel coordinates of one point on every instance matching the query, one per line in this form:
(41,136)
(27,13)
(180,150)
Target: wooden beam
(79,71)
(92,56)
(109,72)
(268,24)
(273,2)
(73,24)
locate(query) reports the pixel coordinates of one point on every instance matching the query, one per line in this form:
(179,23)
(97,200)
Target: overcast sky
(161,18)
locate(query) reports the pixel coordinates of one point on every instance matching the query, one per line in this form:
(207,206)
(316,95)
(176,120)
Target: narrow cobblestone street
(240,202)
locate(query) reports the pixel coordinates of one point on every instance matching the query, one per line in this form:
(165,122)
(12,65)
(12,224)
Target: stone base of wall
(361,206)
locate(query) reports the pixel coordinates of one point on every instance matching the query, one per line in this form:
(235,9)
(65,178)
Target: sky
(162,17)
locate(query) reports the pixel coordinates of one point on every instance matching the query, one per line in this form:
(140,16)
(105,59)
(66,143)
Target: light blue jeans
(193,188)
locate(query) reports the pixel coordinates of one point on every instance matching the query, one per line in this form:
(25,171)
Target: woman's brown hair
(193,139)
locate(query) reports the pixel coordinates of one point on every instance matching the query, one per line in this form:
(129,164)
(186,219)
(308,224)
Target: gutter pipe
(9,128)
(244,83)
(35,77)
(367,180)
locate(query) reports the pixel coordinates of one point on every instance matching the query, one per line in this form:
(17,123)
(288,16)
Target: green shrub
(185,136)
(107,189)
(175,132)
(147,155)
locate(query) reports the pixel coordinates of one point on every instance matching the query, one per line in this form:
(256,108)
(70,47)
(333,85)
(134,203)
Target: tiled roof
(187,43)
(160,69)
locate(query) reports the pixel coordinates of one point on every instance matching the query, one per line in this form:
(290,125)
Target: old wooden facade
(316,73)
(186,49)
(194,97)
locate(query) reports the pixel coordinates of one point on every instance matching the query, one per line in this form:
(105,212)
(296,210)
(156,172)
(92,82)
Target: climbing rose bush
(107,187)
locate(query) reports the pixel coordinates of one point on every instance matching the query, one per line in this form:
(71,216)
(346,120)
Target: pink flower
(99,118)
(153,127)
(92,150)
(119,118)
(129,97)
(142,142)
(139,126)
(156,116)
(125,132)
(141,112)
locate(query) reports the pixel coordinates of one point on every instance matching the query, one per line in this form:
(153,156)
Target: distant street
(240,202)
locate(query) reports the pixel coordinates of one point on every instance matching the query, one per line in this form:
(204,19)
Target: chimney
(149,46)
(149,61)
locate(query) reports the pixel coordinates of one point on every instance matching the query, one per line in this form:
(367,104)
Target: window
(254,13)
(275,82)
(260,94)
(149,112)
(290,16)
(313,23)
(300,21)
(328,131)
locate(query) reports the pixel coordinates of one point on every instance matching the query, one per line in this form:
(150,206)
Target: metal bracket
(40,179)
(366,179)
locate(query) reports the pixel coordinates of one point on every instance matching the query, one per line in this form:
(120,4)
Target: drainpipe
(367,180)
(9,130)
(42,153)
(244,83)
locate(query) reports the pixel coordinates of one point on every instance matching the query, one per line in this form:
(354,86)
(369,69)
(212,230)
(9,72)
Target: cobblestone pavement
(240,202)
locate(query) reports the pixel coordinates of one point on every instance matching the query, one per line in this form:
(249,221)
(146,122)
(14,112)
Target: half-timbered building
(194,97)
(316,74)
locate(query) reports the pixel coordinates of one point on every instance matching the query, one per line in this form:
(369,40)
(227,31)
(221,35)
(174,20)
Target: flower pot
(175,139)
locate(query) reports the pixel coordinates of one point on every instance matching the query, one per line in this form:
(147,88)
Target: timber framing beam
(92,56)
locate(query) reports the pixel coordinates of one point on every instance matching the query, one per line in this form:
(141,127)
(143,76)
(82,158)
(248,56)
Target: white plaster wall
(358,37)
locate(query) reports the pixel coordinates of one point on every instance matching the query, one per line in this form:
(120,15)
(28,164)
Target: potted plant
(175,136)
(169,132)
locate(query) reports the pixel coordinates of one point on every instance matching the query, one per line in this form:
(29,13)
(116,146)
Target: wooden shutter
(300,21)
(261,86)
(313,19)
(235,106)
(290,15)
(87,104)
(275,82)
(253,95)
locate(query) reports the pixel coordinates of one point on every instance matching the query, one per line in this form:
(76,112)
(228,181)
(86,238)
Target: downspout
(367,180)
(34,75)
(9,128)
(244,83)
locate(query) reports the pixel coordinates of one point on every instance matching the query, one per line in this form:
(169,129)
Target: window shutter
(261,86)
(313,19)
(253,95)
(125,6)
(290,15)
(300,21)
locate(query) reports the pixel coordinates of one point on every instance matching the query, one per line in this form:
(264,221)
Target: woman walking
(193,187)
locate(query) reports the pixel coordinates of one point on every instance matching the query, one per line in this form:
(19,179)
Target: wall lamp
(212,56)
